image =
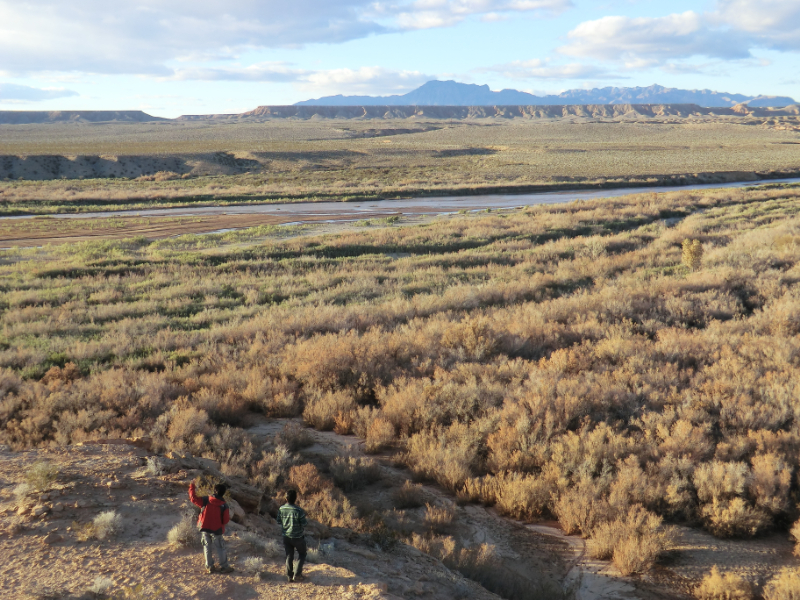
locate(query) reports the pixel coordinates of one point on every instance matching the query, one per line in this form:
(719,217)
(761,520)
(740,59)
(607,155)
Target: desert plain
(591,399)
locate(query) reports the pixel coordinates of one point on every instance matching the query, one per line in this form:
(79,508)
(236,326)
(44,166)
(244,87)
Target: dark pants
(290,545)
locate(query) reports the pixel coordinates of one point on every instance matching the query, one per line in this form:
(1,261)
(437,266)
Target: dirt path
(590,579)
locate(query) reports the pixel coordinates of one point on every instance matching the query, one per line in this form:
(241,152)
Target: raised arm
(196,500)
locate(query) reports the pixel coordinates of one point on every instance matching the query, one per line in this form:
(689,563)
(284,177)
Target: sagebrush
(555,361)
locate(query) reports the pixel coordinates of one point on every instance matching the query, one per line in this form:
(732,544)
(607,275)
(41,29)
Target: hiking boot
(226,569)
(211,570)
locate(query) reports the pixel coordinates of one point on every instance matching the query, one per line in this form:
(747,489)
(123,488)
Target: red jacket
(214,515)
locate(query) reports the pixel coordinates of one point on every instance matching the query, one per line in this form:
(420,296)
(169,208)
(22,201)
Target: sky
(174,57)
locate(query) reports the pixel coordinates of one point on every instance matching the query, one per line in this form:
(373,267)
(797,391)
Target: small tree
(692,254)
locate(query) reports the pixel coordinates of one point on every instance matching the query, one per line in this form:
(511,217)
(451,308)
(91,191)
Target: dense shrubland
(554,361)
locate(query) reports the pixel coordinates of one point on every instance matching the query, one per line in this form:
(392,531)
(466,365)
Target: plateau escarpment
(584,111)
(372,152)
(20,117)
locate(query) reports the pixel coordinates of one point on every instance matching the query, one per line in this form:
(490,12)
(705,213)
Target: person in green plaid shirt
(292,520)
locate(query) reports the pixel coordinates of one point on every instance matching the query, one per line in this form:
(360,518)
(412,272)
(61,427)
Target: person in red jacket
(214,515)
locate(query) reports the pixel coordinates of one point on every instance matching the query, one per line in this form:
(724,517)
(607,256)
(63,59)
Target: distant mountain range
(452,93)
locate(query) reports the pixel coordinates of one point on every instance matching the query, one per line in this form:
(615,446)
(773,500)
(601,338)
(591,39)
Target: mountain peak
(454,93)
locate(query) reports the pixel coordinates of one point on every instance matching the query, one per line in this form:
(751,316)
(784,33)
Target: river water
(343,211)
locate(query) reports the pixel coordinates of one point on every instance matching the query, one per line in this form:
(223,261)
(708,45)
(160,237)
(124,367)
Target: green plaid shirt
(292,520)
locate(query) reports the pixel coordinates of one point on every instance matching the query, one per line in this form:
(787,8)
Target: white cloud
(426,14)
(142,36)
(728,32)
(365,80)
(545,69)
(23,93)
(146,36)
(687,68)
(772,23)
(644,42)
(266,72)
(204,39)
(760,16)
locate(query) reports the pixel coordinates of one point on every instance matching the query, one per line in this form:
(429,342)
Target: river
(345,211)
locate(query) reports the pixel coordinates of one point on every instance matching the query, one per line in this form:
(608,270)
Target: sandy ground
(37,232)
(44,558)
(696,551)
(96,478)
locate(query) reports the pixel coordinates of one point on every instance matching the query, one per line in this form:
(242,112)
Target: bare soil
(36,232)
(110,475)
(150,506)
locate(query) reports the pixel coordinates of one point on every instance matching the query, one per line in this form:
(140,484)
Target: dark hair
(291,496)
(220,489)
